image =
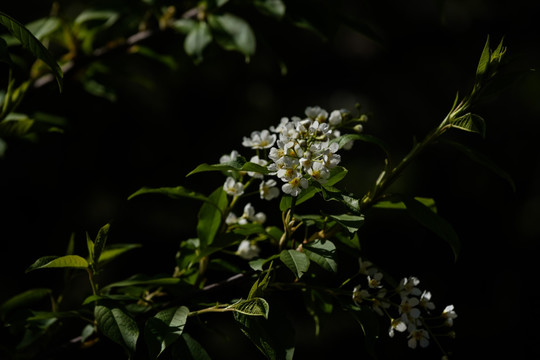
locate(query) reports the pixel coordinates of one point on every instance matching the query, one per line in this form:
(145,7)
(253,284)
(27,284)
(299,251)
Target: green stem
(92,282)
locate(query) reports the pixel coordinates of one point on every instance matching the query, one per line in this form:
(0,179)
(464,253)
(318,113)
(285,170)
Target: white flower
(249,215)
(228,158)
(418,336)
(425,301)
(359,295)
(268,189)
(319,172)
(295,186)
(316,113)
(408,309)
(449,314)
(374,281)
(260,140)
(246,250)
(398,325)
(232,187)
(231,219)
(335,118)
(407,286)
(255,159)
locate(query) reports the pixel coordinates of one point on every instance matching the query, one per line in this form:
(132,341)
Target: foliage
(314,251)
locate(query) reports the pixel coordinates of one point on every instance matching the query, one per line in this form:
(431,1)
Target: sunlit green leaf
(30,42)
(296,261)
(351,222)
(177,192)
(115,323)
(253,307)
(67,261)
(470,122)
(322,253)
(239,164)
(114,250)
(164,329)
(275,8)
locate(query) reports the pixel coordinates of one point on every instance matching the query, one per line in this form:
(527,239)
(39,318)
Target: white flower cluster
(297,150)
(413,304)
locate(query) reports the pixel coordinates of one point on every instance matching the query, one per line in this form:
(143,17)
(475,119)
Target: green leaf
(177,192)
(143,281)
(336,175)
(275,8)
(99,243)
(23,300)
(322,252)
(483,63)
(211,216)
(239,164)
(197,39)
(397,204)
(274,336)
(470,122)
(351,222)
(189,349)
(16,127)
(30,42)
(433,222)
(116,324)
(67,261)
(296,261)
(253,307)
(112,251)
(233,33)
(258,264)
(483,160)
(164,329)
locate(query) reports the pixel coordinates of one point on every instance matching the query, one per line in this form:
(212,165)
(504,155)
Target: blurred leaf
(16,127)
(30,42)
(400,205)
(143,281)
(164,329)
(322,252)
(177,192)
(197,39)
(433,222)
(114,250)
(67,261)
(275,8)
(184,26)
(255,306)
(4,55)
(233,33)
(483,160)
(23,300)
(116,324)
(296,261)
(44,27)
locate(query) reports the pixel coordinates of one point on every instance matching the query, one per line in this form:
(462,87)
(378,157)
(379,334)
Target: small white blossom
(408,310)
(229,157)
(425,301)
(249,215)
(268,189)
(359,295)
(396,325)
(246,250)
(232,187)
(374,281)
(319,172)
(407,286)
(418,336)
(335,118)
(295,186)
(260,140)
(255,159)
(449,314)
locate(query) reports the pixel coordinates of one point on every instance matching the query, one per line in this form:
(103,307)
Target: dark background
(165,122)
